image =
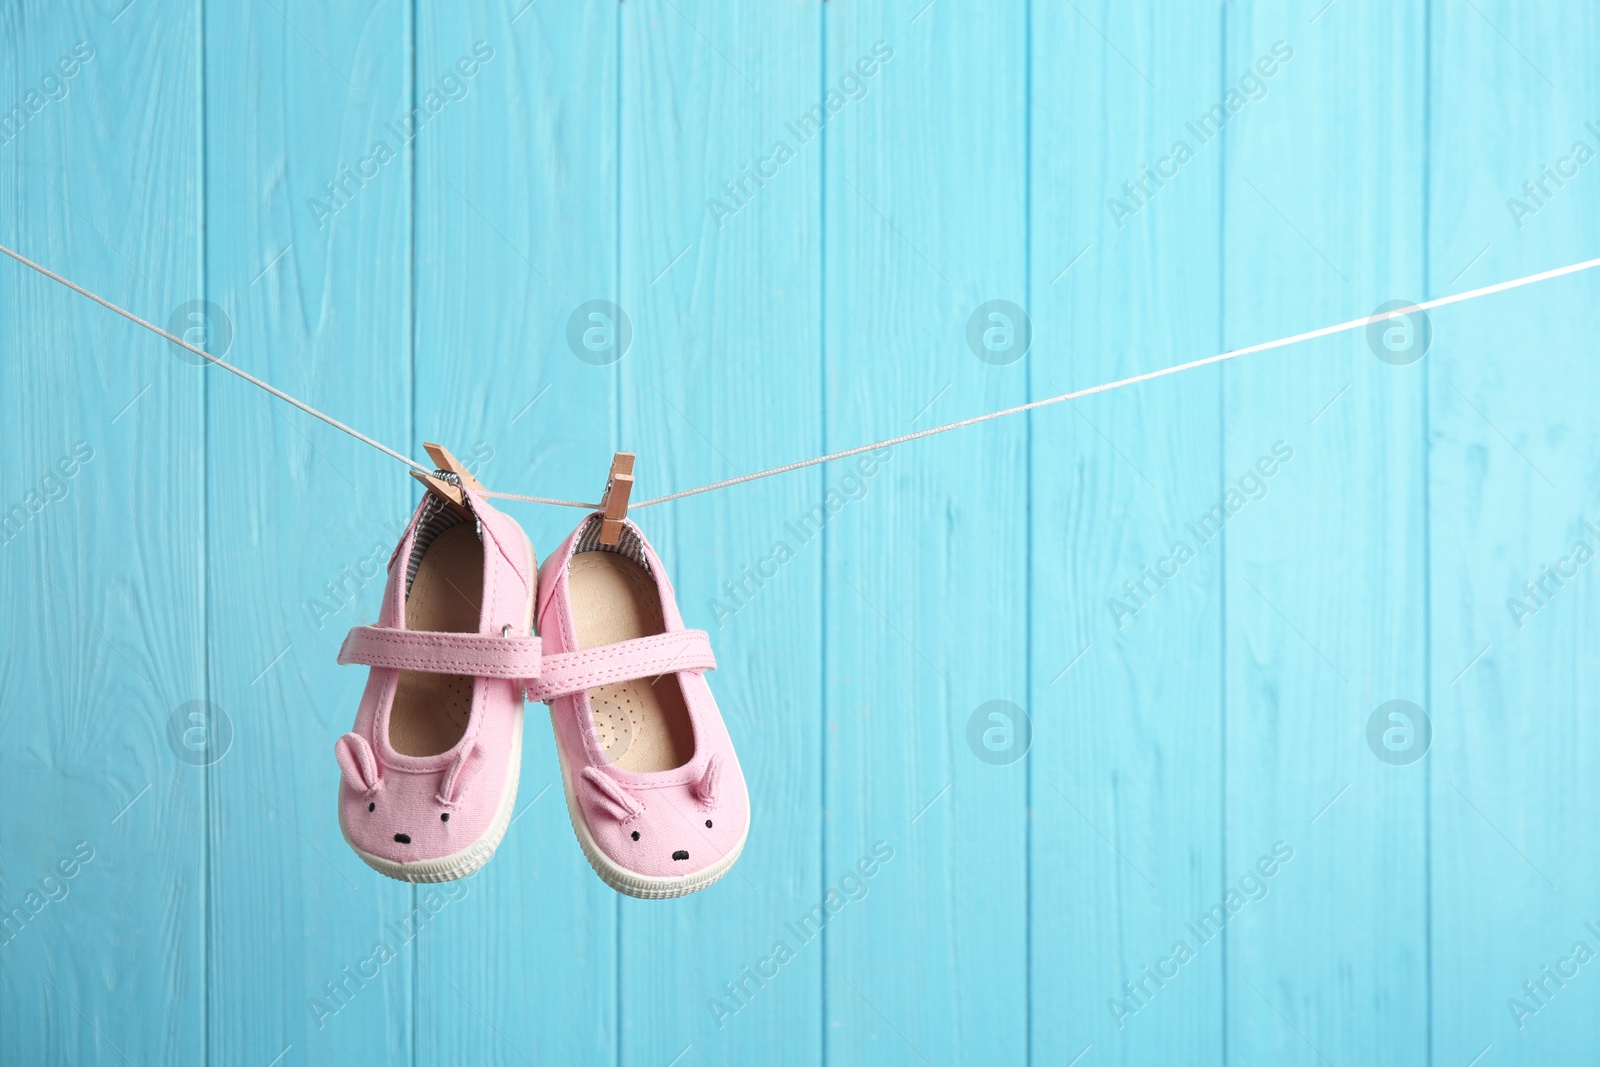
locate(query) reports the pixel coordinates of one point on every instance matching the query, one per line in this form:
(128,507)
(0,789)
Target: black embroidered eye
(444,816)
(708,824)
(636,835)
(372,807)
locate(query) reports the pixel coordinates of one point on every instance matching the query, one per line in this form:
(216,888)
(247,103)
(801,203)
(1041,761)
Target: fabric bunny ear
(705,790)
(357,762)
(601,789)
(460,774)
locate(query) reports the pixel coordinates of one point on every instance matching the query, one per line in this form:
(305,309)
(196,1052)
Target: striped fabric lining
(628,544)
(437,517)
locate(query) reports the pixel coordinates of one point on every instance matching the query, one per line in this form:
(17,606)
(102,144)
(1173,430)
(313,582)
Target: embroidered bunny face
(666,830)
(401,815)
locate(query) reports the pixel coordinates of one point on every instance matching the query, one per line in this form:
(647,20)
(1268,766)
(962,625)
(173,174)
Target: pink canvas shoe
(653,786)
(430,770)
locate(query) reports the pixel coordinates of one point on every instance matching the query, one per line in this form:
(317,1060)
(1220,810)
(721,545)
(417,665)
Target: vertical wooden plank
(926,579)
(1126,785)
(1511,382)
(721,273)
(1326,588)
(307,253)
(516,228)
(102,877)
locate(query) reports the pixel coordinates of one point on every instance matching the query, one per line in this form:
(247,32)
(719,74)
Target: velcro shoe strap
(643,657)
(477,655)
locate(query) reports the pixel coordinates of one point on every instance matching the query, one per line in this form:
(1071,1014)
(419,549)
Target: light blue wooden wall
(172,536)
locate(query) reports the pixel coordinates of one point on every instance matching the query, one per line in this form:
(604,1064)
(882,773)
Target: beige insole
(431,710)
(643,724)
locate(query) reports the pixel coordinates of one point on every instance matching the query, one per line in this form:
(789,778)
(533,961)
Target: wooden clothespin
(442,489)
(614,504)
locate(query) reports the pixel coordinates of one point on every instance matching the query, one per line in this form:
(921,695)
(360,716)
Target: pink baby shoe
(653,786)
(430,770)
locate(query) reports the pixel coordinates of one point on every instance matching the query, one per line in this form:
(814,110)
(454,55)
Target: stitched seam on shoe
(616,674)
(689,638)
(484,642)
(483,652)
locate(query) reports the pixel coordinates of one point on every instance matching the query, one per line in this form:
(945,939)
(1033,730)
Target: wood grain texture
(1127,836)
(724,378)
(516,227)
(920,231)
(1189,716)
(1326,571)
(297,547)
(1511,486)
(104,959)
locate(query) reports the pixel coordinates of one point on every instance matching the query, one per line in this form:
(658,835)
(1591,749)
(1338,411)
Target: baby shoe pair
(430,770)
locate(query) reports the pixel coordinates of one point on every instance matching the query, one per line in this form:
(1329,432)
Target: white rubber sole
(643,886)
(465,862)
